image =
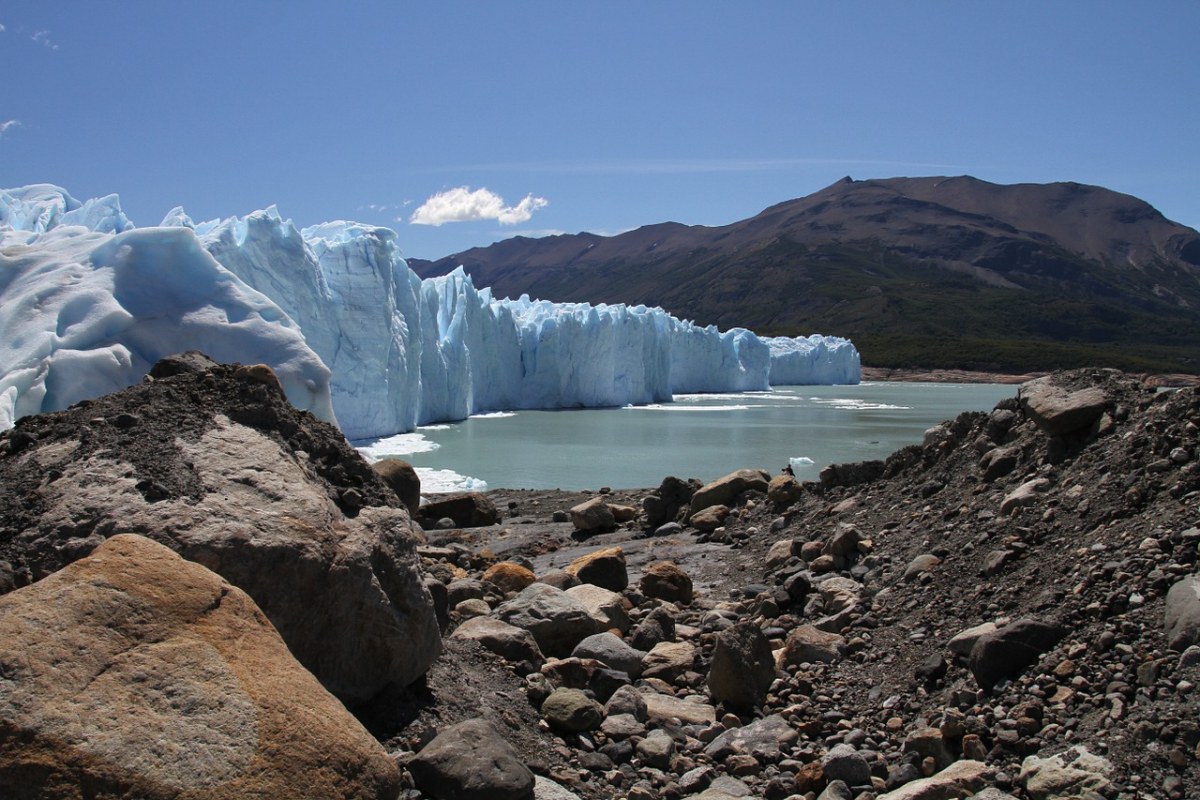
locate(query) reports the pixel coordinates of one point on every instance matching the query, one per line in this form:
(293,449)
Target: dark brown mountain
(928,272)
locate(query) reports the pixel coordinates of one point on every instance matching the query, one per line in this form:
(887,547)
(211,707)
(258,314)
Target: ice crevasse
(88,302)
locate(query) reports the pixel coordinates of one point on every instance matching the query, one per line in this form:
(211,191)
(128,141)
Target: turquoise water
(700,436)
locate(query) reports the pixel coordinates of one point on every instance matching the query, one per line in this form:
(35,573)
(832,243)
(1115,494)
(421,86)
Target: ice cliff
(88,303)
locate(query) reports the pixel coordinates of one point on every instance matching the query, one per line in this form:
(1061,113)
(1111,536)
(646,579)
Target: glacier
(88,302)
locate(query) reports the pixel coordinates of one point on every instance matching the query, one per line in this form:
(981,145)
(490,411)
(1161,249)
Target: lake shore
(967,376)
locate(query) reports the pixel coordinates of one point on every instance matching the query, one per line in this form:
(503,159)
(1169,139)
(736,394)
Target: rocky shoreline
(1008,610)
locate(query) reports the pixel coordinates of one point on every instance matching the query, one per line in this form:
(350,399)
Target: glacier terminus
(88,303)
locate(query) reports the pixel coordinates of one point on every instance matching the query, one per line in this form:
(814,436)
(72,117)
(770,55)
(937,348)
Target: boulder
(665,504)
(1006,653)
(623,513)
(963,642)
(961,779)
(663,708)
(471,761)
(593,516)
(783,490)
(666,581)
(807,644)
(129,671)
(572,711)
(507,641)
(508,576)
(604,567)
(469,510)
(844,763)
(611,651)
(403,480)
(1058,411)
(725,490)
(1024,495)
(668,660)
(1182,616)
(709,519)
(922,563)
(1068,774)
(607,608)
(557,621)
(743,667)
(230,476)
(999,462)
(765,739)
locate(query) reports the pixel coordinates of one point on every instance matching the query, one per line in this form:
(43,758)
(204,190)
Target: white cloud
(464,205)
(8,123)
(3,29)
(43,38)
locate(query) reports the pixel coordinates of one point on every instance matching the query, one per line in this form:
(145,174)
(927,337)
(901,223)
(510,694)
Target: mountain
(933,272)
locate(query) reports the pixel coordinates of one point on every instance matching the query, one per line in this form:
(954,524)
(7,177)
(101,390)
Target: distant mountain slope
(933,272)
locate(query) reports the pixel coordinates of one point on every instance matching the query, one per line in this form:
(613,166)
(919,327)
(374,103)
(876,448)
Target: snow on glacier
(337,303)
(86,310)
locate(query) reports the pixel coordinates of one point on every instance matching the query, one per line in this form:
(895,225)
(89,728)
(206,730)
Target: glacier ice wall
(88,304)
(813,359)
(337,300)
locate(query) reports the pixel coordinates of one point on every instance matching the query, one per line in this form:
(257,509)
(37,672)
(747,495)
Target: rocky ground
(997,518)
(1009,609)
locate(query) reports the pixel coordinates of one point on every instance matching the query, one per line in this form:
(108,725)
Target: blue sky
(486,120)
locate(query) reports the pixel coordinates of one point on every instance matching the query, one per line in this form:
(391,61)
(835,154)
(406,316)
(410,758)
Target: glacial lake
(700,436)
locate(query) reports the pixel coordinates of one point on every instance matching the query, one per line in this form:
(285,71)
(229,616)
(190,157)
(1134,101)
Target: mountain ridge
(938,272)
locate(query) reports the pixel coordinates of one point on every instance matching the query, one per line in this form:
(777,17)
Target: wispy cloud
(3,29)
(465,205)
(8,123)
(43,38)
(682,166)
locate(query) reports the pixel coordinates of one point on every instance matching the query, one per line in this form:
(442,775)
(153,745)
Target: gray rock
(844,763)
(960,779)
(572,711)
(669,660)
(468,510)
(627,700)
(606,607)
(725,490)
(922,563)
(742,668)
(836,790)
(765,739)
(612,651)
(471,761)
(1182,616)
(557,621)
(507,641)
(1065,774)
(657,749)
(663,708)
(546,789)
(593,516)
(999,462)
(1058,411)
(1023,496)
(1006,653)
(805,643)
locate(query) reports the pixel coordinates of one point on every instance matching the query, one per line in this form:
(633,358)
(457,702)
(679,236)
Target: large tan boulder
(345,591)
(134,673)
(724,491)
